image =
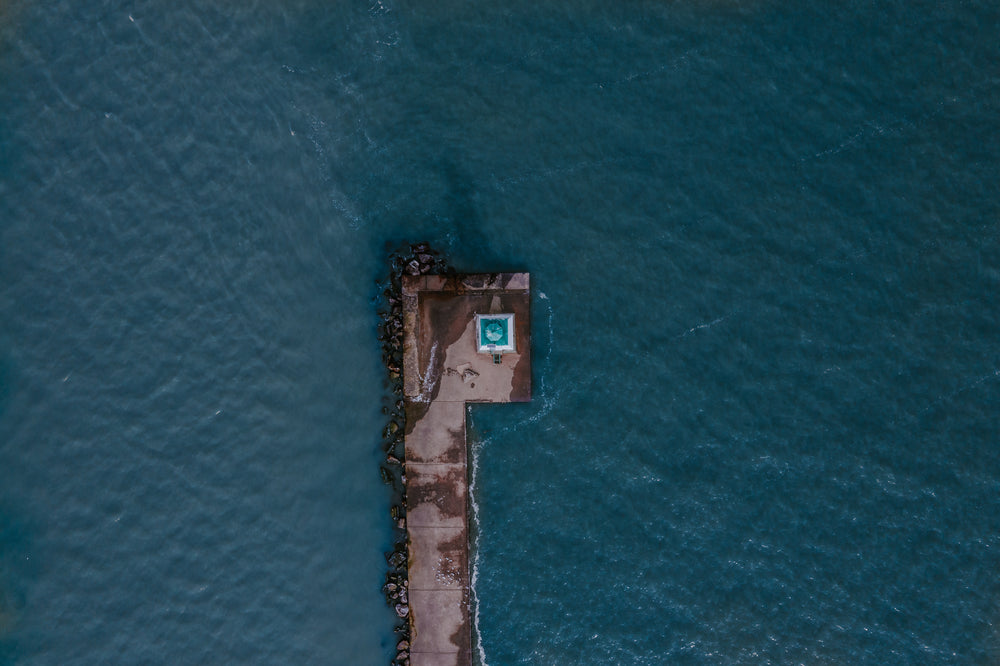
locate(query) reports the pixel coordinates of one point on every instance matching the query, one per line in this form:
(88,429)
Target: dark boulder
(397,559)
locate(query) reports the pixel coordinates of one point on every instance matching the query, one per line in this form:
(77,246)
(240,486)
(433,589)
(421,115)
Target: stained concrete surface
(442,371)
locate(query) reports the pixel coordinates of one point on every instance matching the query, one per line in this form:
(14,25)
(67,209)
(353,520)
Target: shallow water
(764,247)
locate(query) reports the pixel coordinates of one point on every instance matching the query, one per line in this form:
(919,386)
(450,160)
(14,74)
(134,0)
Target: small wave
(473,477)
(701,326)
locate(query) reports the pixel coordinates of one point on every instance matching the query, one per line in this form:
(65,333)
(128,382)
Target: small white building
(495,334)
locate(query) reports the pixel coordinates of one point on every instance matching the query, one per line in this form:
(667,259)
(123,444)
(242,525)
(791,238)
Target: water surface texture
(765,250)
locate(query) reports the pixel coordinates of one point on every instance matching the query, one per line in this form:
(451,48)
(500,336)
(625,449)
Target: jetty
(466,339)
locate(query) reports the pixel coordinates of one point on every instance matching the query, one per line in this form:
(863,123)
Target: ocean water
(765,249)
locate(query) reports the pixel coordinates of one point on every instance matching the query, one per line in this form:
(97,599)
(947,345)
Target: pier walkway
(442,371)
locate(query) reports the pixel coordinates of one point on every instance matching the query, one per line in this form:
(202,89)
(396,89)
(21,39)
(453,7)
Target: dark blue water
(765,246)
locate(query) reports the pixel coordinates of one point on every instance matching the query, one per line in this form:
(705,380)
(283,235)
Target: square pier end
(445,320)
(466,339)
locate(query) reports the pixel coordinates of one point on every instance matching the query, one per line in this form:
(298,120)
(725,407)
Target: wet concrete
(442,371)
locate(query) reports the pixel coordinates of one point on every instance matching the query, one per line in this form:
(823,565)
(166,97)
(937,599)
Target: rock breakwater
(413,259)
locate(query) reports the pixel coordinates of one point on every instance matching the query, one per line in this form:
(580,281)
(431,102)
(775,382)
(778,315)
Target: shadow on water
(469,242)
(469,235)
(454,225)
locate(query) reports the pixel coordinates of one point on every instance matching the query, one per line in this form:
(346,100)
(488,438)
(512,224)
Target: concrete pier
(443,370)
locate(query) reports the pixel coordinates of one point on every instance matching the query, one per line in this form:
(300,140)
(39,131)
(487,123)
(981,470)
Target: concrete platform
(442,371)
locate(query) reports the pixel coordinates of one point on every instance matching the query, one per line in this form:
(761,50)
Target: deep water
(764,241)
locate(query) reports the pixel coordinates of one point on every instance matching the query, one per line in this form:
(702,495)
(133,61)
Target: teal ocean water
(764,240)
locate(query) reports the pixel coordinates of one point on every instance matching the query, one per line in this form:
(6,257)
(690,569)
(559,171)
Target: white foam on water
(473,476)
(701,326)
